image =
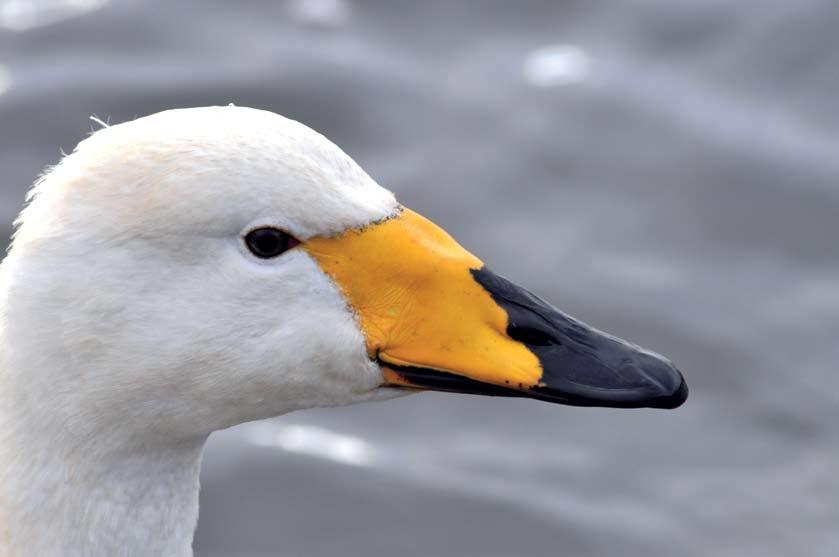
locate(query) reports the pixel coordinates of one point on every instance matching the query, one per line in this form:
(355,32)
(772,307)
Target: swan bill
(435,318)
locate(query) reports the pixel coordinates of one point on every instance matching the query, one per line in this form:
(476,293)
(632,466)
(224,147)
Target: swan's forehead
(214,170)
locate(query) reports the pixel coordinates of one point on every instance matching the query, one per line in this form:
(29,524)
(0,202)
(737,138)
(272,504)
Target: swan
(199,268)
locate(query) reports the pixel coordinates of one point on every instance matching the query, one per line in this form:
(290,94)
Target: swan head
(198,268)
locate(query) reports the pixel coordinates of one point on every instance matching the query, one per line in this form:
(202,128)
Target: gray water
(667,171)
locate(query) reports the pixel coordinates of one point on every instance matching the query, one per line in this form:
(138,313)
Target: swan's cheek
(332,351)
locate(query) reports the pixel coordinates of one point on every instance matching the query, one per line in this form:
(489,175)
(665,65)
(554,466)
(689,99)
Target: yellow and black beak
(435,317)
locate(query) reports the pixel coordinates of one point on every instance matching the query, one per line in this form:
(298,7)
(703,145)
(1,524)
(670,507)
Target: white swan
(199,268)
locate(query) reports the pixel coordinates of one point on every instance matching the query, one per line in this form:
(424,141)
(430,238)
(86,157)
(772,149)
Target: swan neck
(103,496)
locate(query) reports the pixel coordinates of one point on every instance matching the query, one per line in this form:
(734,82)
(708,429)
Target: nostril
(531,336)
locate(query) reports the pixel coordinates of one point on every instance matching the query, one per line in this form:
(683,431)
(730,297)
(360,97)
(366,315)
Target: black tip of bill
(645,382)
(581,365)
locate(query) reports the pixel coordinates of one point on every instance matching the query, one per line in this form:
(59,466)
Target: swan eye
(267,243)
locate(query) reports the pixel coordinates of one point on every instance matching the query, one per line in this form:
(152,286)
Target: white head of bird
(200,268)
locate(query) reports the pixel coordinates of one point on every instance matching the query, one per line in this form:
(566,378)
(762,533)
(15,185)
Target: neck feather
(102,495)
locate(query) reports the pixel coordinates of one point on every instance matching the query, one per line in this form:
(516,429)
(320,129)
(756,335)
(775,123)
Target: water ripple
(312,441)
(456,467)
(5,79)
(554,65)
(320,13)
(23,15)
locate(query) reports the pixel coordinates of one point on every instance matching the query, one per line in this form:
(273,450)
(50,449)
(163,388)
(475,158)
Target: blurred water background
(667,171)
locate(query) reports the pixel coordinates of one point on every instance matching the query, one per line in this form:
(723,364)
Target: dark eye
(266,243)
